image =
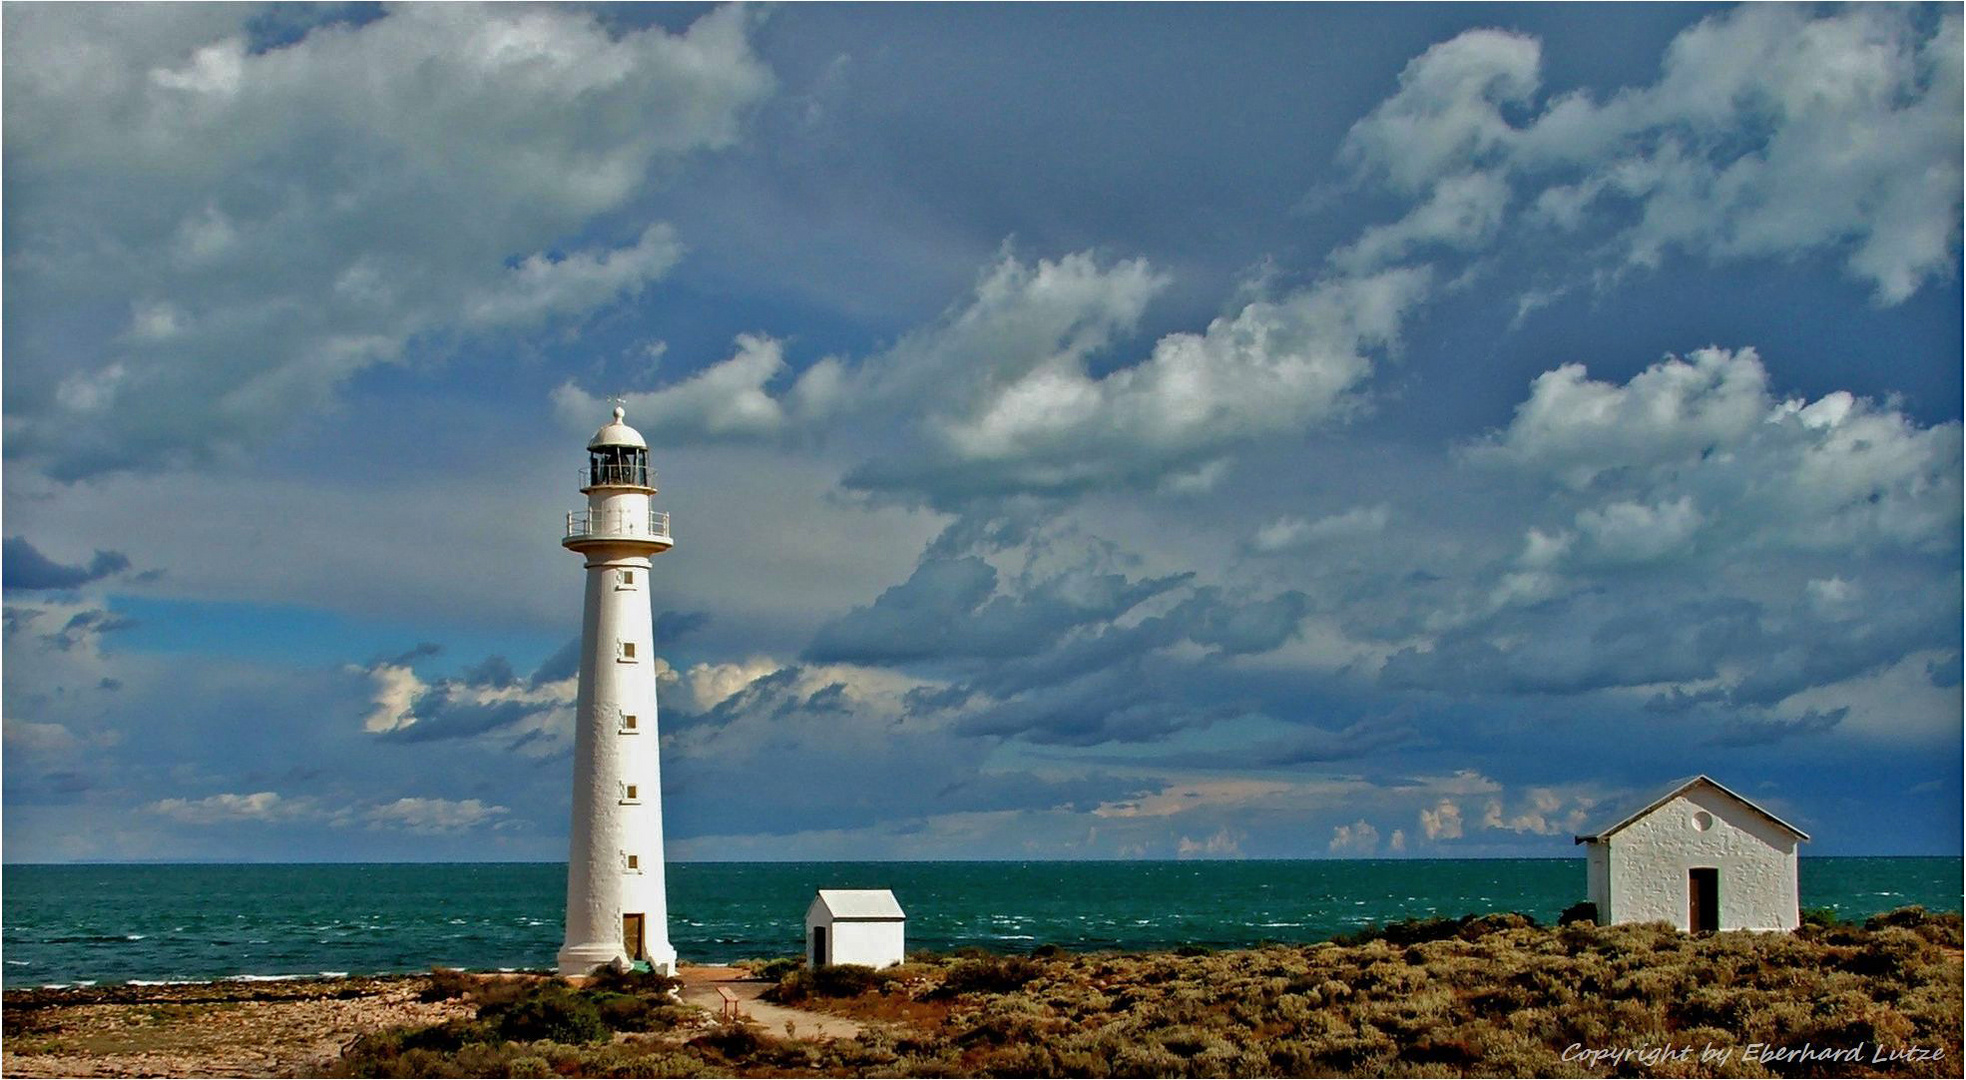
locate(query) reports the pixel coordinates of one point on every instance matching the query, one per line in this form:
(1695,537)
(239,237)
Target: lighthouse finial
(619,412)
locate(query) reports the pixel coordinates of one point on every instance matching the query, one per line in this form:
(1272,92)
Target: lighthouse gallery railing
(617,523)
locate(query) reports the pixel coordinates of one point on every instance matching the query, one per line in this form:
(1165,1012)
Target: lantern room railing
(608,523)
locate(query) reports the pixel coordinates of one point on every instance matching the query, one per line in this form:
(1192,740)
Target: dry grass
(1494,997)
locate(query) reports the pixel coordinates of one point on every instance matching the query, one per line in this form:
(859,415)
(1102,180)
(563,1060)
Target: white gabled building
(1698,856)
(855,926)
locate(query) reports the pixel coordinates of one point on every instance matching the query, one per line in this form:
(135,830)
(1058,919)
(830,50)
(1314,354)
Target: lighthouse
(617,905)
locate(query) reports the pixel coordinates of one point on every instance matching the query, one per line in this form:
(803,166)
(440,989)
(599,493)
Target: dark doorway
(818,946)
(1703,900)
(632,938)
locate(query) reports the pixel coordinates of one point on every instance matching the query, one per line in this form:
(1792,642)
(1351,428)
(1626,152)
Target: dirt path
(700,988)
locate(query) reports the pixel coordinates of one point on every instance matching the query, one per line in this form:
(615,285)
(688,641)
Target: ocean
(117,923)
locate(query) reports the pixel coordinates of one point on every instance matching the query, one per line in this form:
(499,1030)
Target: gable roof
(1626,812)
(860,903)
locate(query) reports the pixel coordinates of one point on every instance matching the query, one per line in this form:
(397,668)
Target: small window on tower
(631,793)
(624,651)
(635,863)
(626,580)
(629,724)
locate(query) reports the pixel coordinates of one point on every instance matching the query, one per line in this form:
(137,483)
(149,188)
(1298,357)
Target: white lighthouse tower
(617,905)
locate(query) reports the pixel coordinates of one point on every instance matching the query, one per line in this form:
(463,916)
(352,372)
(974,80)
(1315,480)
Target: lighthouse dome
(616,433)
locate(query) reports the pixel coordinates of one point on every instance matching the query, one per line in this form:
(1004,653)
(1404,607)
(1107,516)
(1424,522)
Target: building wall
(875,944)
(1649,860)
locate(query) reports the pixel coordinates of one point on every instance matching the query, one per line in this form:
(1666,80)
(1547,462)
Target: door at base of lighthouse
(632,938)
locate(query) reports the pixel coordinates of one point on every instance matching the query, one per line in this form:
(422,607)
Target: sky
(1090,432)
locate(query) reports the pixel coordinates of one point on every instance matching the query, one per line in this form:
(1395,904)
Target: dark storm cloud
(673,626)
(947,610)
(1771,730)
(1633,634)
(27,568)
(564,663)
(770,738)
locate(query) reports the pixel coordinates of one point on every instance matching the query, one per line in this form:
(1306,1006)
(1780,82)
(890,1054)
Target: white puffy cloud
(421,815)
(1225,844)
(1042,422)
(728,399)
(1769,132)
(1442,821)
(267,222)
(228,807)
(1358,838)
(999,396)
(1703,443)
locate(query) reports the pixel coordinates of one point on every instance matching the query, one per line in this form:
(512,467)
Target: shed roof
(1624,812)
(860,903)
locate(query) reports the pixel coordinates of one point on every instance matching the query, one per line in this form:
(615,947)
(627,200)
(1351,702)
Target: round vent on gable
(1702,820)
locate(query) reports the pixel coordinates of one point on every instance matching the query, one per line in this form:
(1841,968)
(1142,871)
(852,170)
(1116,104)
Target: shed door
(1703,900)
(818,946)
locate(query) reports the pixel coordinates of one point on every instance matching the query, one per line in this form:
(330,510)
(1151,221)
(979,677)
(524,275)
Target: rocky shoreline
(288,1027)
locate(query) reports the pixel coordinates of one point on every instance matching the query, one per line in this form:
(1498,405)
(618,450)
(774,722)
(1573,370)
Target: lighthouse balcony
(585,525)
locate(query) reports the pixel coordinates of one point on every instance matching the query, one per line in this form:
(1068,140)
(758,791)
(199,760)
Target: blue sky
(1091,432)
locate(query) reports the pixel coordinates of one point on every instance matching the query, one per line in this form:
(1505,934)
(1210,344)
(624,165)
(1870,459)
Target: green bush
(777,969)
(844,980)
(553,1012)
(1581,912)
(989,975)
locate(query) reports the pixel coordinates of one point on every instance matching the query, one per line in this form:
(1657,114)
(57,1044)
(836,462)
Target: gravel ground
(289,1028)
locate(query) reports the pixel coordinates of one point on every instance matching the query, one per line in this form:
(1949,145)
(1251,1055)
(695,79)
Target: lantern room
(617,456)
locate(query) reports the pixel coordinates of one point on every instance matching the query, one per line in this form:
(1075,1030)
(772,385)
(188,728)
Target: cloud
(28,737)
(1357,838)
(726,400)
(1027,415)
(998,397)
(224,808)
(1223,845)
(1769,132)
(270,219)
(1766,731)
(1443,821)
(27,568)
(420,815)
(532,715)
(1661,492)
(1286,534)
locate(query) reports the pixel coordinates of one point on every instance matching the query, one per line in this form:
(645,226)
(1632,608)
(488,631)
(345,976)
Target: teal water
(67,924)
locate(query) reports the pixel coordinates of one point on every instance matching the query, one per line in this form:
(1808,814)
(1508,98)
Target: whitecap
(134,937)
(20,963)
(335,974)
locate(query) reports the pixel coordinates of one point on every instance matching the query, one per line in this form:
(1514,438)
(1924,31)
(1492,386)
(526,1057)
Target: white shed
(1698,856)
(855,926)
